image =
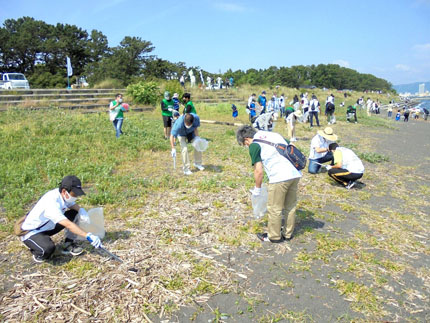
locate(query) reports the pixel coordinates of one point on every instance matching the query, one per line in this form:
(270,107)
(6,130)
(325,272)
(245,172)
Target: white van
(9,81)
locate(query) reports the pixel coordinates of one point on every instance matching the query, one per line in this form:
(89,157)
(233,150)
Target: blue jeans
(117,124)
(313,114)
(314,168)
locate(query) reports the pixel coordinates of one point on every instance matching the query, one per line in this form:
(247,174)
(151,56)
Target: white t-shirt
(282,102)
(305,102)
(350,161)
(291,120)
(277,167)
(318,142)
(317,105)
(48,211)
(250,100)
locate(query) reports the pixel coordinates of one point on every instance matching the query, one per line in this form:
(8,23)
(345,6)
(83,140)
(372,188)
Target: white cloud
(341,62)
(402,67)
(230,7)
(422,47)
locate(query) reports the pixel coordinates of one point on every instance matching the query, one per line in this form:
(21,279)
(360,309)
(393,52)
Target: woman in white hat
(291,124)
(319,152)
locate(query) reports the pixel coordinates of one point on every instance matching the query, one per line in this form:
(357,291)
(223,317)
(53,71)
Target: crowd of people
(57,209)
(340,163)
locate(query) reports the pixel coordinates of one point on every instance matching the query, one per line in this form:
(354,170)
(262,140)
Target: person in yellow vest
(347,166)
(167,107)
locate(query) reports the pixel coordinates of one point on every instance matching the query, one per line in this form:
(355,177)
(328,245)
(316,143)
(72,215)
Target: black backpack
(313,106)
(291,152)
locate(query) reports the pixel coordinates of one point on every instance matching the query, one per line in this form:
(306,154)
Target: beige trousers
(291,131)
(282,199)
(184,153)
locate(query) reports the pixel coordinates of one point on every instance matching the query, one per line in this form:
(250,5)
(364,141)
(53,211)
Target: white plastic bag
(200,144)
(112,115)
(259,203)
(94,222)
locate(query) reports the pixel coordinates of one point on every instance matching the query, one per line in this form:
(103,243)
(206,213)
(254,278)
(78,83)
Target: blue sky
(390,39)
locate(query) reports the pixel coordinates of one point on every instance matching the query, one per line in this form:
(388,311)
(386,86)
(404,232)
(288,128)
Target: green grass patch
(39,148)
(362,298)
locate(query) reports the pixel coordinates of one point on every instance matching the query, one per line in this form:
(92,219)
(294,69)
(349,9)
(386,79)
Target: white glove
(83,212)
(256,191)
(328,167)
(170,109)
(83,216)
(173,152)
(94,240)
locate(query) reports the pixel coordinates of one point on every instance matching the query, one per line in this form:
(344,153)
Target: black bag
(313,107)
(291,152)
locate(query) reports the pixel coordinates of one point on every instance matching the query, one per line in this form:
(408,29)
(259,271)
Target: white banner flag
(69,66)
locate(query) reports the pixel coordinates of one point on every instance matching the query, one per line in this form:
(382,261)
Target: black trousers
(343,176)
(41,244)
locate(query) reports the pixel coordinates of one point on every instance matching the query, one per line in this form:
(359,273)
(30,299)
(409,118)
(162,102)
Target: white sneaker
(38,259)
(293,139)
(199,167)
(188,172)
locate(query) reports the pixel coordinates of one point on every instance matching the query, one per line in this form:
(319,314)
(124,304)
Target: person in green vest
(167,107)
(189,106)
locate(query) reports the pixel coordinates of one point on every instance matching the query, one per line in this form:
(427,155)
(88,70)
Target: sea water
(425,104)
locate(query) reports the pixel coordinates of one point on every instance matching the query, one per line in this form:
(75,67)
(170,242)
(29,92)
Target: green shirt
(189,108)
(165,105)
(120,114)
(255,153)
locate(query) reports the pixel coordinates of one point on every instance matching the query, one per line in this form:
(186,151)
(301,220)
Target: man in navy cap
(56,210)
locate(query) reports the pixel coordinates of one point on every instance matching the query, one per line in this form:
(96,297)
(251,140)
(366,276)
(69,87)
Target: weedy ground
(358,255)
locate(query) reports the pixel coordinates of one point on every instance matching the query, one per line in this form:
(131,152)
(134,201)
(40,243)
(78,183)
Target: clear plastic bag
(94,222)
(259,203)
(200,144)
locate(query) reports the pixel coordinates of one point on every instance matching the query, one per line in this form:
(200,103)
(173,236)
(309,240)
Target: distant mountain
(411,87)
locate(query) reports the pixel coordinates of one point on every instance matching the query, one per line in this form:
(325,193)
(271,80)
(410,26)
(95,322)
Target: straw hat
(328,134)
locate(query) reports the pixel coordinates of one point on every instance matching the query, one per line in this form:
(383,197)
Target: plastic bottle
(259,203)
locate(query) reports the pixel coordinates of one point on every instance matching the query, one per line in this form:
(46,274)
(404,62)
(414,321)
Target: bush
(174,87)
(47,80)
(109,84)
(144,92)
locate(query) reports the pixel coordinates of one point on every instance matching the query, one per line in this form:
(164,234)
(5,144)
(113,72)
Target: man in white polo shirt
(347,166)
(56,210)
(283,180)
(319,152)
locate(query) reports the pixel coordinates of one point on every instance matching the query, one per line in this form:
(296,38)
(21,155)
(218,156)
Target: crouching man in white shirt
(56,210)
(347,166)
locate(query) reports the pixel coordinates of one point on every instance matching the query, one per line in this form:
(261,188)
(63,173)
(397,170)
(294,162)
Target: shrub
(47,80)
(109,84)
(174,87)
(144,92)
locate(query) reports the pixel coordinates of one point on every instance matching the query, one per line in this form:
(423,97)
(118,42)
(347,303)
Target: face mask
(120,100)
(70,200)
(188,127)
